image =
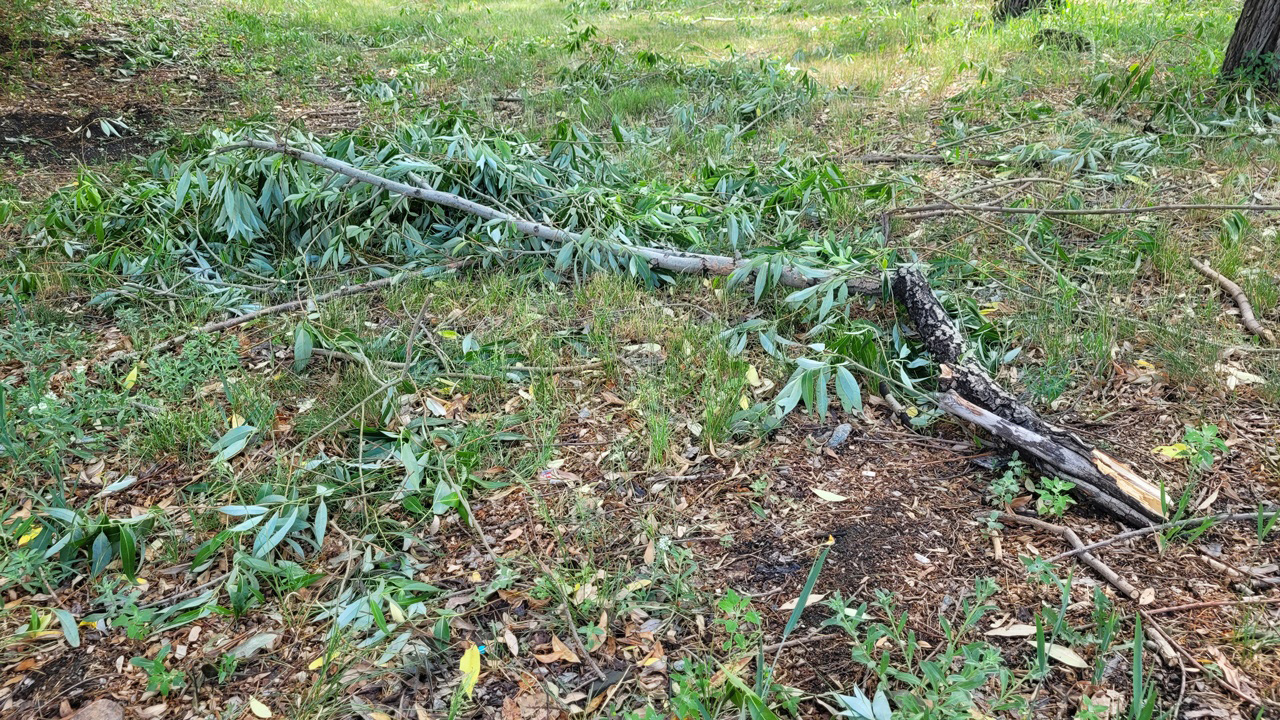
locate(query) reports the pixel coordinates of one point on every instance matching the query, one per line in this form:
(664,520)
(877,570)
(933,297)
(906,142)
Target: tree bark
(1010,9)
(1255,44)
(1114,495)
(970,394)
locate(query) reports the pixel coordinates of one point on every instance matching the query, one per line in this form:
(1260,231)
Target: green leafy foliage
(159,678)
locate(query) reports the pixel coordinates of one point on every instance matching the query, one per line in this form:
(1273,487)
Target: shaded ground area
(616,545)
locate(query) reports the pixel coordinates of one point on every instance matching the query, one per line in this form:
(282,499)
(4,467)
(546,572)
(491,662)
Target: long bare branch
(942,209)
(669,260)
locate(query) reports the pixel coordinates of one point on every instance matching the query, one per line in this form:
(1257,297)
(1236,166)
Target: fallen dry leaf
(828,496)
(559,651)
(258,708)
(1014,630)
(813,598)
(1063,654)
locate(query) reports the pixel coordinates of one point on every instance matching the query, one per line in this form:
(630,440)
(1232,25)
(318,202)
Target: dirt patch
(44,138)
(87,100)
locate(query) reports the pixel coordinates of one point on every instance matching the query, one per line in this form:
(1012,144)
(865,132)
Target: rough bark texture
(1009,9)
(1255,43)
(943,340)
(1101,489)
(970,394)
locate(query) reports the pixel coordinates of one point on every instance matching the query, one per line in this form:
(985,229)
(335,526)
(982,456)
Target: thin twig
(1214,603)
(899,158)
(533,370)
(1221,681)
(1247,318)
(1153,633)
(993,133)
(797,641)
(184,593)
(577,641)
(1150,529)
(344,291)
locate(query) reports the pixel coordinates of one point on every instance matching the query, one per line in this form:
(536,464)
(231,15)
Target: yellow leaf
(323,660)
(470,667)
(1176,450)
(30,536)
(753,376)
(131,379)
(258,708)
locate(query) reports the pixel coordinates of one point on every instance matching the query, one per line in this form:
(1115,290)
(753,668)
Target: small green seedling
(159,678)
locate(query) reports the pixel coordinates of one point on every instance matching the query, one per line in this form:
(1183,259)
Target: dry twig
(1113,578)
(1247,318)
(1059,212)
(1151,529)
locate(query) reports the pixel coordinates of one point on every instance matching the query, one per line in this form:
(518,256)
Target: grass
(381,520)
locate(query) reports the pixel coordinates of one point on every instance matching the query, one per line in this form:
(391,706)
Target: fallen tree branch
(1214,603)
(1111,484)
(669,260)
(899,158)
(1152,529)
(1100,478)
(1104,571)
(1104,491)
(1247,318)
(943,208)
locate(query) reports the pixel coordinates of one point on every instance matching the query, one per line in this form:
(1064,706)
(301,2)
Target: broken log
(970,394)
(1106,482)
(1128,498)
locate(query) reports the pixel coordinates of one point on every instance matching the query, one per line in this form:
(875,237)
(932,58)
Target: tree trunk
(1255,44)
(1010,9)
